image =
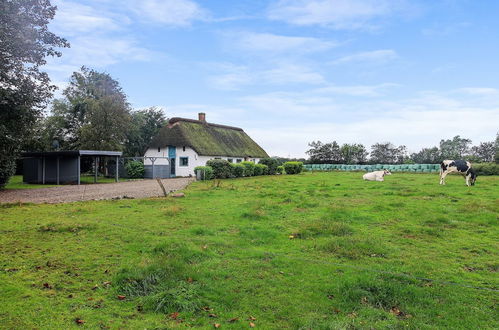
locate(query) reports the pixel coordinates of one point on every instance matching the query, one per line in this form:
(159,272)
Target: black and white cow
(458,166)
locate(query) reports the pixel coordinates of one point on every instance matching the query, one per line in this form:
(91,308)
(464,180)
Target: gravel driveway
(73,193)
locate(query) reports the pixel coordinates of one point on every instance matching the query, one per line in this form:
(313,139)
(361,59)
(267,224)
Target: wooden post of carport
(96,162)
(43,170)
(116,175)
(57,174)
(78,168)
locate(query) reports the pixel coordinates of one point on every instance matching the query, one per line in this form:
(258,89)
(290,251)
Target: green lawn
(311,251)
(16,182)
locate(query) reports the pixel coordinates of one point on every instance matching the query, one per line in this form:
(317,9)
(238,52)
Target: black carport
(62,166)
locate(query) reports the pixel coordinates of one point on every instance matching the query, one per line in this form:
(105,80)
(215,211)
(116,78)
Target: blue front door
(172,154)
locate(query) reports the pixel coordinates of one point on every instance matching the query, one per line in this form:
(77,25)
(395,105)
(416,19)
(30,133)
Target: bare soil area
(73,193)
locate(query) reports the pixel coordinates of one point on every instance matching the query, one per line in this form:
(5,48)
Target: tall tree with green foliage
(145,124)
(427,156)
(25,42)
(457,148)
(354,153)
(94,112)
(388,153)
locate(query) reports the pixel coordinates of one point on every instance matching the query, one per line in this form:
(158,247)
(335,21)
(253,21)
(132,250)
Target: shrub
(237,170)
(486,169)
(221,168)
(206,172)
(271,163)
(260,169)
(249,168)
(135,169)
(293,167)
(279,170)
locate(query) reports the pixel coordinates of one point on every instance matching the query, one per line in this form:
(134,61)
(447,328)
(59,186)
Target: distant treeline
(388,153)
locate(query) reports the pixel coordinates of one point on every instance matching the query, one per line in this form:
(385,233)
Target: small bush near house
(293,167)
(221,168)
(206,172)
(260,169)
(249,168)
(237,170)
(279,169)
(272,164)
(486,169)
(135,169)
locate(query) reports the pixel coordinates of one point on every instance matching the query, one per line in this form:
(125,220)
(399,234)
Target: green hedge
(271,164)
(279,169)
(206,172)
(249,168)
(221,168)
(237,170)
(486,169)
(135,169)
(260,169)
(293,167)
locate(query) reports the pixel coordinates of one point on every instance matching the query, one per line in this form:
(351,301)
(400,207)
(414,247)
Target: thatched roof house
(188,143)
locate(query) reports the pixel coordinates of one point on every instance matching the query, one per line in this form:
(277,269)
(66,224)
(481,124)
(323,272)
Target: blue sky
(290,72)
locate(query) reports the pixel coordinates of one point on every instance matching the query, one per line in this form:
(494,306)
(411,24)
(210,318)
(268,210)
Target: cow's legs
(442,177)
(467,180)
(380,179)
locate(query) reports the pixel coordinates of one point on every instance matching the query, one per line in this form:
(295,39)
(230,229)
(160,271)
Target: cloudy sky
(293,71)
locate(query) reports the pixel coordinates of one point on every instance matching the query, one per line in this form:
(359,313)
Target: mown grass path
(317,250)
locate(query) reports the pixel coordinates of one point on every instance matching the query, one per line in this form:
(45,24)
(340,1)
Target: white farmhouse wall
(153,152)
(194,159)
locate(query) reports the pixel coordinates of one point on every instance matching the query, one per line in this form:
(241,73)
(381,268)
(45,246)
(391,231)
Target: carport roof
(102,153)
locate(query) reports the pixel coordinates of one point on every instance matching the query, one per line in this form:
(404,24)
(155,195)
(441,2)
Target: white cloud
(234,77)
(168,12)
(358,90)
(337,14)
(73,19)
(267,42)
(376,56)
(299,118)
(485,91)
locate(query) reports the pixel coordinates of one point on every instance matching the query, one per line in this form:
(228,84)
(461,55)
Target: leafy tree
(353,153)
(457,148)
(95,113)
(427,156)
(327,153)
(388,153)
(485,151)
(145,124)
(25,42)
(497,149)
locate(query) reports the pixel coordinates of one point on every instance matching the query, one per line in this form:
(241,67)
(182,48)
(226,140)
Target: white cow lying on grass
(376,175)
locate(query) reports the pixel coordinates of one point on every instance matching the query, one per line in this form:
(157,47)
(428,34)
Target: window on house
(238,160)
(159,149)
(184,161)
(183,148)
(218,158)
(230,160)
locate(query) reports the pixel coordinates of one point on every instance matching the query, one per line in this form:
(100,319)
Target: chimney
(202,116)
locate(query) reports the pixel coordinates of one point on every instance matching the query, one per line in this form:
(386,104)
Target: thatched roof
(207,139)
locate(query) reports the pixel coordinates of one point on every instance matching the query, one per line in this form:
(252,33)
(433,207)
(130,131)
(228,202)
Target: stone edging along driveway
(74,193)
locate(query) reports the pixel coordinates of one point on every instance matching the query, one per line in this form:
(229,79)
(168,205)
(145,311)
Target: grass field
(16,182)
(311,251)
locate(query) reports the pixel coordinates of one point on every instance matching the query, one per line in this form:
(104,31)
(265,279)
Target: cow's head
(473,176)
(386,172)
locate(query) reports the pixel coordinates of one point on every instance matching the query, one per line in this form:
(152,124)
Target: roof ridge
(179,119)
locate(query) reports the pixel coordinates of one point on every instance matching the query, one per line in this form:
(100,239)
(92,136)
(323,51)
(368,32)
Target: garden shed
(57,167)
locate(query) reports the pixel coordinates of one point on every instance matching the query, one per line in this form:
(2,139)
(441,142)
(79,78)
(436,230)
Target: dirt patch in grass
(65,228)
(354,247)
